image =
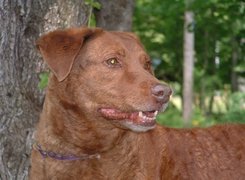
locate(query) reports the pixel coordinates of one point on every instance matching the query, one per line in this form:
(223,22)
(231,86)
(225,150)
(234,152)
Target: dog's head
(105,76)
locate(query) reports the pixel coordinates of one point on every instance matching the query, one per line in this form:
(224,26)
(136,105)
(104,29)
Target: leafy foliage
(159,25)
(43,80)
(219,38)
(236,109)
(93,4)
(171,117)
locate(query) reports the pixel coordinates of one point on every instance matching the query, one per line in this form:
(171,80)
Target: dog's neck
(72,132)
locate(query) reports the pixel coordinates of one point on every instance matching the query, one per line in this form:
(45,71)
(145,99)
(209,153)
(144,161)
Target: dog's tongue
(137,117)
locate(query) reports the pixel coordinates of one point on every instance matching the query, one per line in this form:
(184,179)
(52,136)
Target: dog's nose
(161,92)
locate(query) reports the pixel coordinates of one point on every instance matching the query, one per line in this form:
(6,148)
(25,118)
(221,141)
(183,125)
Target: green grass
(230,109)
(171,117)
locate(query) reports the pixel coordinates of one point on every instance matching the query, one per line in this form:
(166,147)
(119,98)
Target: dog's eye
(113,62)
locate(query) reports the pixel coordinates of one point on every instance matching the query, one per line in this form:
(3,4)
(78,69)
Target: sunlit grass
(225,109)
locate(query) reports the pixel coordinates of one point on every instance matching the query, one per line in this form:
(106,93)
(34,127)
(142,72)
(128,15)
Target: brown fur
(71,124)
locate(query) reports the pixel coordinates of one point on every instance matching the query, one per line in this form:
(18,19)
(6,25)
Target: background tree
(22,22)
(188,66)
(219,51)
(21,66)
(115,15)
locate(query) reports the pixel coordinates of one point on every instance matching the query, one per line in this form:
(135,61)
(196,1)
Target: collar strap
(62,157)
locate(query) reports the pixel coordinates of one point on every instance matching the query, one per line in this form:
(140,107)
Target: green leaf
(240,68)
(96,5)
(92,21)
(43,80)
(93,4)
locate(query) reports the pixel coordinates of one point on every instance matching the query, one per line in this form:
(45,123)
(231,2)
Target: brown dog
(98,120)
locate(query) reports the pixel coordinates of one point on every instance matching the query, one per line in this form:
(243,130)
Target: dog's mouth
(140,118)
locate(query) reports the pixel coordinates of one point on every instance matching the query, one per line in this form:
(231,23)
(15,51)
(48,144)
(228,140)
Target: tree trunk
(234,59)
(188,67)
(22,22)
(210,106)
(115,15)
(203,90)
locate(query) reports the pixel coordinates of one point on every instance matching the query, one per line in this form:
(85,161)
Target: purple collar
(62,157)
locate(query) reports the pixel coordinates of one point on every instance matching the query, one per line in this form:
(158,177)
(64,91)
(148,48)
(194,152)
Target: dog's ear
(132,35)
(60,48)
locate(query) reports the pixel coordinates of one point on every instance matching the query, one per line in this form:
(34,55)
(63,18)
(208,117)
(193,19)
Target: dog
(98,119)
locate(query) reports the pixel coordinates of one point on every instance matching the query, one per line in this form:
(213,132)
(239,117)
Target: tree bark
(115,15)
(205,65)
(234,59)
(22,22)
(188,67)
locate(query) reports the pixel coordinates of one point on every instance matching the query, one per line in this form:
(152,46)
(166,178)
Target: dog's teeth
(141,114)
(149,119)
(146,118)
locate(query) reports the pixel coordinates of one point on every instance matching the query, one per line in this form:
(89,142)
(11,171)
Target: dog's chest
(133,164)
(105,169)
